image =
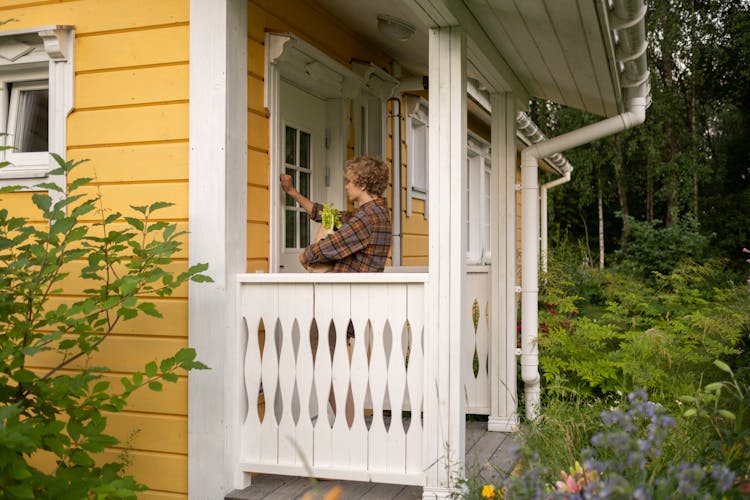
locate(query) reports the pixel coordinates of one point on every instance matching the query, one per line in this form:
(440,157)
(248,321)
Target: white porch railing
(476,340)
(316,407)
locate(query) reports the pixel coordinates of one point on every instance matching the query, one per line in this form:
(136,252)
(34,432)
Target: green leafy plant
(723,408)
(53,402)
(660,335)
(331,218)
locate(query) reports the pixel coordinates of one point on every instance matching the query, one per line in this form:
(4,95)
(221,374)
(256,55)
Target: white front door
(303,156)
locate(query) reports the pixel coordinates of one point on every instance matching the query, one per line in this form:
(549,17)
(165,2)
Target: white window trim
(44,53)
(417,112)
(370,109)
(478,157)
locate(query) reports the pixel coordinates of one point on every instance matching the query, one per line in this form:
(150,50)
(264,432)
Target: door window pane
(304,184)
(290,145)
(288,200)
(290,229)
(304,150)
(304,230)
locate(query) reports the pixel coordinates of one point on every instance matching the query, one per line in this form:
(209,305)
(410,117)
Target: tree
(51,400)
(691,155)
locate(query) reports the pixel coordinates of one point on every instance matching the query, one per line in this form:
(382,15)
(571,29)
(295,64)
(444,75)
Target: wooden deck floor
(488,454)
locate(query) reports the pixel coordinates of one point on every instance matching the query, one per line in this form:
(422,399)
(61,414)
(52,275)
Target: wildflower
(333,494)
(575,480)
(488,491)
(568,483)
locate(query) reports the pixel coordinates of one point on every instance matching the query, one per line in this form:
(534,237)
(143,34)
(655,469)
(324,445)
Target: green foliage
(661,335)
(52,402)
(652,248)
(722,408)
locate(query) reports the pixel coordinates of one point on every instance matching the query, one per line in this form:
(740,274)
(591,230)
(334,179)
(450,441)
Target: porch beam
(445,403)
(217,225)
(503,393)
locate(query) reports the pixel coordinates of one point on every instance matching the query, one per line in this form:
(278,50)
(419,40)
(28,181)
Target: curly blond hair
(369,173)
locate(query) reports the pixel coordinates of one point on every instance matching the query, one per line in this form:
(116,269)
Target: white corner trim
(218,227)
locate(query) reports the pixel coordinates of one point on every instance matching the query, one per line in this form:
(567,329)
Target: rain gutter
(627,32)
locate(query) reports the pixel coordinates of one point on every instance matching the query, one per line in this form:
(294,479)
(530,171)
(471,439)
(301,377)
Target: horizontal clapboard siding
(130,120)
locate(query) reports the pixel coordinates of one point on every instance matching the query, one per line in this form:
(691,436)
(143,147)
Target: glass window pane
(419,168)
(290,146)
(467,205)
(304,230)
(304,184)
(486,210)
(290,229)
(364,147)
(288,200)
(304,150)
(32,125)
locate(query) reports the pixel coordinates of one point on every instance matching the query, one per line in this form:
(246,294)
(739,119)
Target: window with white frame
(417,134)
(36,96)
(370,109)
(369,120)
(478,171)
(24,119)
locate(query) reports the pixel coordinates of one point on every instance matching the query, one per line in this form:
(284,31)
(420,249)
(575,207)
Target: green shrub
(651,248)
(61,410)
(661,335)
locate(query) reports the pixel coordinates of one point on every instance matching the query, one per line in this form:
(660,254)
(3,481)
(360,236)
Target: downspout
(396,190)
(543,208)
(530,156)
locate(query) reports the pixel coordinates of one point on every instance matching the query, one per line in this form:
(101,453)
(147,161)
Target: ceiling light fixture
(395,28)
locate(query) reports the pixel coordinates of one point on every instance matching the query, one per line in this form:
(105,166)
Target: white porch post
(218,180)
(503,416)
(445,404)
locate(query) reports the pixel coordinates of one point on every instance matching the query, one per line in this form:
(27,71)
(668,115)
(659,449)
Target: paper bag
(321,267)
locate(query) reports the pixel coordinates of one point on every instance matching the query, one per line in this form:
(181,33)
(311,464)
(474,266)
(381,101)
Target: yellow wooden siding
(90,16)
(132,86)
(141,431)
(160,122)
(130,119)
(173,323)
(145,47)
(163,472)
(20,205)
(134,163)
(120,353)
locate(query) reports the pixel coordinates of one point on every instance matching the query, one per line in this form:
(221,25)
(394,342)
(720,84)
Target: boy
(362,242)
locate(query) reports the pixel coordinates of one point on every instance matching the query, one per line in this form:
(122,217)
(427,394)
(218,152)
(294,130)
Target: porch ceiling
(561,50)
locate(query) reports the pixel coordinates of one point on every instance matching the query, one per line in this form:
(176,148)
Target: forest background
(686,170)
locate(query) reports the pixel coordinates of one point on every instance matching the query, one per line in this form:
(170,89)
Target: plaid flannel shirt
(360,245)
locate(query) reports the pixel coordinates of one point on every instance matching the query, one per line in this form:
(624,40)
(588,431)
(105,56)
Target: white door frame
(312,70)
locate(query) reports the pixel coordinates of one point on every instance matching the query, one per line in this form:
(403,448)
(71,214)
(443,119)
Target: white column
(503,416)
(445,403)
(218,180)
